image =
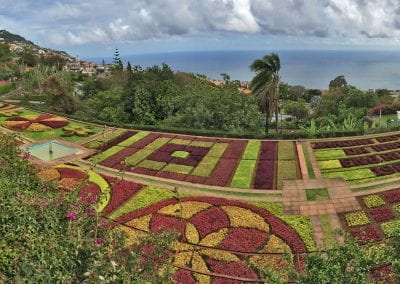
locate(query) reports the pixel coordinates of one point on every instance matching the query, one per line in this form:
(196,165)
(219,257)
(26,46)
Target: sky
(96,28)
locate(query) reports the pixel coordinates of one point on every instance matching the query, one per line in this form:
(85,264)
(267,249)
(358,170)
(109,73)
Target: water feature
(52,150)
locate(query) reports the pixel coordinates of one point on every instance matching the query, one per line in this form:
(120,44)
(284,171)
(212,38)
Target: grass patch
(138,136)
(207,165)
(329,238)
(180,169)
(301,224)
(106,154)
(106,137)
(329,164)
(252,150)
(285,150)
(143,198)
(310,168)
(349,175)
(202,144)
(244,174)
(287,170)
(153,165)
(180,141)
(329,154)
(366,188)
(318,194)
(180,154)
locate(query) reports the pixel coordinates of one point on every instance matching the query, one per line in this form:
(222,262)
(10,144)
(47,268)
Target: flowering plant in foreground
(59,228)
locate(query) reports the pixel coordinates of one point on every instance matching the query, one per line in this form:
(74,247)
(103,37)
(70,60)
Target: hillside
(13,38)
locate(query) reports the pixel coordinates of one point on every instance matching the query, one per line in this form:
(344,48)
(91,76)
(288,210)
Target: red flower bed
(169,175)
(117,158)
(244,240)
(360,161)
(214,218)
(221,280)
(382,274)
(268,150)
(386,147)
(265,174)
(366,234)
(388,138)
(382,214)
(393,196)
(341,144)
(165,223)
(236,269)
(210,220)
(118,140)
(235,149)
(195,179)
(391,156)
(386,170)
(90,190)
(183,276)
(122,191)
(164,154)
(71,173)
(54,123)
(355,151)
(143,171)
(223,172)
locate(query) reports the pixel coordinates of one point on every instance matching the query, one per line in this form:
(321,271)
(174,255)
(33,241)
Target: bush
(49,237)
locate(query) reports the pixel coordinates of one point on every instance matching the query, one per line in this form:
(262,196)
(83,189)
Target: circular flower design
(35,123)
(219,236)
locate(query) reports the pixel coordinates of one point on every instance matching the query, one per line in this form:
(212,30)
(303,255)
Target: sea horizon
(313,69)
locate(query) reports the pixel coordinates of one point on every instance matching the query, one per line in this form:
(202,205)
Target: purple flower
(26,156)
(71,215)
(100,241)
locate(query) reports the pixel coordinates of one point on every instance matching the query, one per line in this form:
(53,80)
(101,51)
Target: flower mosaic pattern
(218,236)
(35,123)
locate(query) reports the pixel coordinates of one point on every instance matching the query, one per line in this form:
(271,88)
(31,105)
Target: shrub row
(341,144)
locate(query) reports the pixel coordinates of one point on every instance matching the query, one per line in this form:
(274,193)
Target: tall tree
(265,85)
(117,61)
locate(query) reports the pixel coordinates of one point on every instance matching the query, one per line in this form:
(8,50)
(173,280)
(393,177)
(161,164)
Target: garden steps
(224,192)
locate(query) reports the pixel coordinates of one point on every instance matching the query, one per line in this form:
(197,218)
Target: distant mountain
(13,38)
(20,43)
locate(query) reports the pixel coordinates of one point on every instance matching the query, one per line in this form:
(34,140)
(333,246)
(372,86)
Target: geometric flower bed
(232,239)
(218,236)
(108,192)
(372,159)
(35,123)
(211,161)
(77,130)
(377,218)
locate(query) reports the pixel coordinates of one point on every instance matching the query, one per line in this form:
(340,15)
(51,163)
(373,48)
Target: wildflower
(71,215)
(100,241)
(26,156)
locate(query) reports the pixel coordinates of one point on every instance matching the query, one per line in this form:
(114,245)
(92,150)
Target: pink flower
(26,156)
(71,215)
(100,241)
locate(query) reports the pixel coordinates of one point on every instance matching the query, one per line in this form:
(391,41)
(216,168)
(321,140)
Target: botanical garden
(123,180)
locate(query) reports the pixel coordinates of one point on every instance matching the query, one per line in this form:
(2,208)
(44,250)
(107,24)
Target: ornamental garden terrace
(238,205)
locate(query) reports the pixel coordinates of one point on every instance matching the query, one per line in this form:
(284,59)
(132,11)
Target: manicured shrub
(372,201)
(382,214)
(356,219)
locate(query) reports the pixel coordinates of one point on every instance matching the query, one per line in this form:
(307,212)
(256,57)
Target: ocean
(309,68)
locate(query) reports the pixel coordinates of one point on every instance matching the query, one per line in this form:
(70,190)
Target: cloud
(79,22)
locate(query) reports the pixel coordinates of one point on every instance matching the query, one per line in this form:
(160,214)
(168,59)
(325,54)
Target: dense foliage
(158,96)
(50,237)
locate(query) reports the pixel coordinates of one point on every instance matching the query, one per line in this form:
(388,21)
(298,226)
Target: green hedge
(7,88)
(301,134)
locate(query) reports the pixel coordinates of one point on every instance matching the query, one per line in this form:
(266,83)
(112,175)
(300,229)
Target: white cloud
(77,22)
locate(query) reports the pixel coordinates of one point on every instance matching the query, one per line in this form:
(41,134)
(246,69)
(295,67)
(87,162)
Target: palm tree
(265,85)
